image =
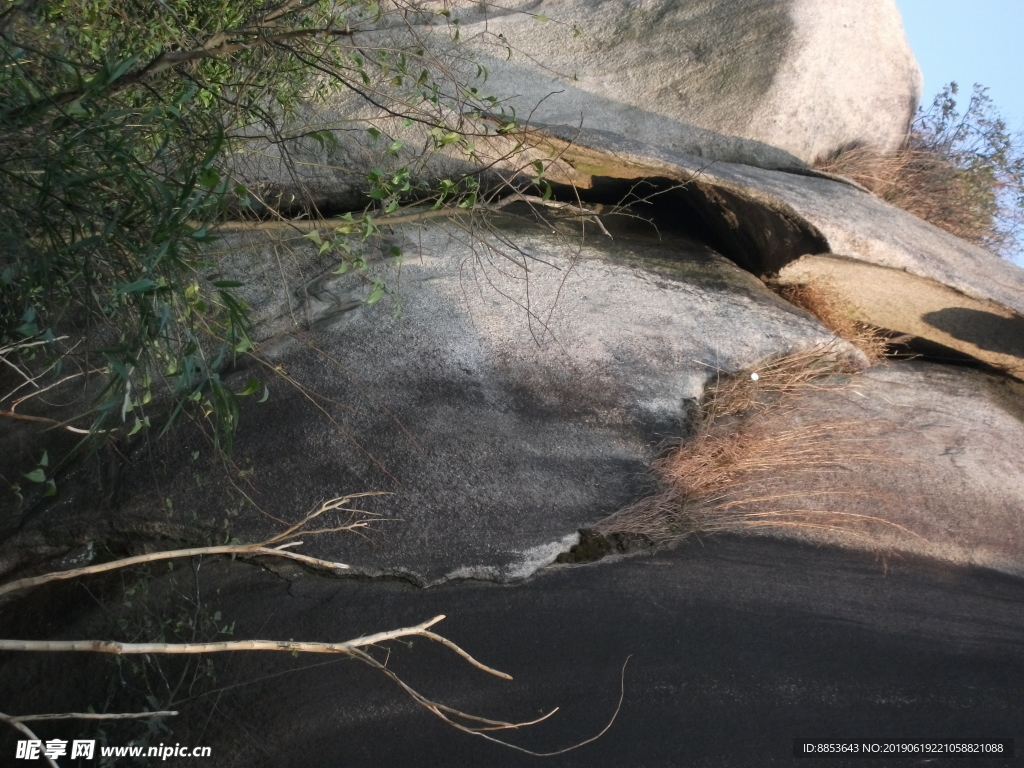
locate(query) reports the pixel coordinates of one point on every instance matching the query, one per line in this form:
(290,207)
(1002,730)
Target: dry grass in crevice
(753,463)
(838,318)
(923,182)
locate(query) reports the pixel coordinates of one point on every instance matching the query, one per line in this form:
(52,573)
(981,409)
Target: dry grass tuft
(770,384)
(838,318)
(923,182)
(737,473)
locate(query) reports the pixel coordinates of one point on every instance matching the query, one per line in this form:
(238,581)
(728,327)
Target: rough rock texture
(504,409)
(515,384)
(731,79)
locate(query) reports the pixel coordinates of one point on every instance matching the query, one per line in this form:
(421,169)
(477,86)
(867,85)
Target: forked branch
(277,546)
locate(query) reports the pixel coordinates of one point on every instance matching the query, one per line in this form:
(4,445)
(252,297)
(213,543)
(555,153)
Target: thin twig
(306,225)
(93,716)
(347,647)
(227,549)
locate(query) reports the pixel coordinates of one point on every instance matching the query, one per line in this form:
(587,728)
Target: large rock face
(889,268)
(767,83)
(518,397)
(934,451)
(801,76)
(518,380)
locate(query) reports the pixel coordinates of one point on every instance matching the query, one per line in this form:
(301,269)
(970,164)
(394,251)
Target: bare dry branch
(117,648)
(93,716)
(273,547)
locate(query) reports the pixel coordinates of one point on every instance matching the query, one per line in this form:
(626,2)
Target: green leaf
(209,178)
(36,476)
(250,388)
(376,294)
(202,236)
(136,427)
(139,286)
(123,67)
(314,236)
(266,394)
(51,489)
(227,284)
(45,460)
(374,133)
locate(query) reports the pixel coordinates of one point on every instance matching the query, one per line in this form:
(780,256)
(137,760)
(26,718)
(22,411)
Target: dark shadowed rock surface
(735,647)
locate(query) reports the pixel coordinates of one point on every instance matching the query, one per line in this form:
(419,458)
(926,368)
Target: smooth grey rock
(731,80)
(768,83)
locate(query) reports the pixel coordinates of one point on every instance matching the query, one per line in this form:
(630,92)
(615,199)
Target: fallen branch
(227,549)
(347,647)
(90,716)
(355,648)
(42,420)
(306,225)
(273,547)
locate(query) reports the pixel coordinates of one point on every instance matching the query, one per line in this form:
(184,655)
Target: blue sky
(970,41)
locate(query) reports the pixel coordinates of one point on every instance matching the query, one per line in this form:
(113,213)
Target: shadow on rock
(985,330)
